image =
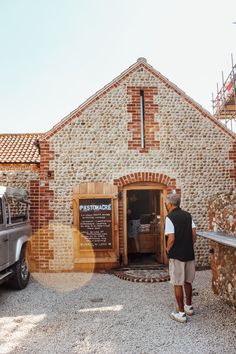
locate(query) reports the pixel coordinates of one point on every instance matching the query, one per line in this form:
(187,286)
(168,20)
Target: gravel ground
(100,313)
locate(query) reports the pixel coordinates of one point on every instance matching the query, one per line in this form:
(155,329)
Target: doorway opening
(144,227)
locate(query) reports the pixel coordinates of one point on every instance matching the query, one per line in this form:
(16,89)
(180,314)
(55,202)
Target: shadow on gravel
(100,313)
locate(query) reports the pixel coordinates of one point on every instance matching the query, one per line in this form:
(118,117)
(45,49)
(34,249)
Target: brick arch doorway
(150,241)
(155,182)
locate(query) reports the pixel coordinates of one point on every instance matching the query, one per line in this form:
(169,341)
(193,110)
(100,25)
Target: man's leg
(176,269)
(188,293)
(189,277)
(179,297)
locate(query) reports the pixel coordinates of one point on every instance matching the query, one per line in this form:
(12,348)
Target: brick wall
(150,125)
(232,156)
(46,213)
(34,257)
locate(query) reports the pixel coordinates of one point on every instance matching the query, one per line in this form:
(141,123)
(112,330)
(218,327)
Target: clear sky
(57,53)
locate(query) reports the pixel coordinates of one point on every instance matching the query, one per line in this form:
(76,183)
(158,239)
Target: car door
(4,239)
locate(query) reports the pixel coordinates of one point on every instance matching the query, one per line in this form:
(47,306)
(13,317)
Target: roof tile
(19,148)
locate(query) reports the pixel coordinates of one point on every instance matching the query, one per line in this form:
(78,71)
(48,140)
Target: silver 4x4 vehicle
(15,232)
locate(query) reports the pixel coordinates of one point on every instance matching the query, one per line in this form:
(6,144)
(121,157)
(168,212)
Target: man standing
(181,233)
(133,217)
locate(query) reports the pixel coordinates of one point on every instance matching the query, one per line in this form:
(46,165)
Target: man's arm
(194,233)
(169,232)
(170,242)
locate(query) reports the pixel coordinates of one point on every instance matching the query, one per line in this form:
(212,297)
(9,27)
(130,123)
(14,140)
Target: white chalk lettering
(94,207)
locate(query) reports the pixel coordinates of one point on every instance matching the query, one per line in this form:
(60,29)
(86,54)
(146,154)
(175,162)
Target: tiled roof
(19,148)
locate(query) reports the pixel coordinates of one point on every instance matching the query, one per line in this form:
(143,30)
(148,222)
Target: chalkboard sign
(95,223)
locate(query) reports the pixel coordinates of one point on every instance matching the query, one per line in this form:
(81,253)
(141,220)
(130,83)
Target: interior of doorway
(144,226)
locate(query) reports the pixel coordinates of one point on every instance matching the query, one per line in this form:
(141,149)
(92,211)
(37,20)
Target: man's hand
(194,233)
(170,242)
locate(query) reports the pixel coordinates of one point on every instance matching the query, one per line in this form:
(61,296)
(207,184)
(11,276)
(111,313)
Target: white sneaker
(179,317)
(188,309)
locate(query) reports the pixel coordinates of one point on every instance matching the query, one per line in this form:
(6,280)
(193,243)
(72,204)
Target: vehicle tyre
(21,276)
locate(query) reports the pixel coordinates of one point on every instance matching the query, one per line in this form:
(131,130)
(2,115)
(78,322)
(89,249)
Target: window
(16,211)
(142,119)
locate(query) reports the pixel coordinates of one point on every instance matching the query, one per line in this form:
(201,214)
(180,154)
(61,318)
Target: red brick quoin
(232,156)
(168,183)
(40,252)
(150,126)
(34,219)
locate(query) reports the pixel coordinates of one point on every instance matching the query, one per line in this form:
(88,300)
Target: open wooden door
(157,227)
(164,258)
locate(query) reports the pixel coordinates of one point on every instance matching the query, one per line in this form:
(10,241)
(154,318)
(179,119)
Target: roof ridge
(141,62)
(20,134)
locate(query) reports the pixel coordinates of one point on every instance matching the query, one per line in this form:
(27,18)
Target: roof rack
(19,194)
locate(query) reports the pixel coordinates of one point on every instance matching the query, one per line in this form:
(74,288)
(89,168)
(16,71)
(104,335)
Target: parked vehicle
(15,232)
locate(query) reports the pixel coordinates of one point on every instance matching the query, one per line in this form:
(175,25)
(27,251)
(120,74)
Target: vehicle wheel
(21,275)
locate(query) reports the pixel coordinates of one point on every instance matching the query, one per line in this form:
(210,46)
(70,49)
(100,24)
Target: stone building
(140,135)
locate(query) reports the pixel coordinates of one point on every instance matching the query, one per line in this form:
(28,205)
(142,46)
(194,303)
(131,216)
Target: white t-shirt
(169,227)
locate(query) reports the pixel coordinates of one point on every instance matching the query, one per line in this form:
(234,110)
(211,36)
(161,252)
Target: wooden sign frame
(77,222)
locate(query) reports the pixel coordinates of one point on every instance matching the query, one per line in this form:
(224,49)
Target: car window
(16,211)
(7,212)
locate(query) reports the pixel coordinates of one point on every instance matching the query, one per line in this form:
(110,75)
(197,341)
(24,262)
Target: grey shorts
(181,272)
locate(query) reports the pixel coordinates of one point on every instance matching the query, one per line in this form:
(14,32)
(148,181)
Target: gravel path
(100,313)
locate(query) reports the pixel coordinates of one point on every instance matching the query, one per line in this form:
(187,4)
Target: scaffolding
(224,104)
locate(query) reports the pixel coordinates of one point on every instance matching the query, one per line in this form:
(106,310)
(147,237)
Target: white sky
(57,53)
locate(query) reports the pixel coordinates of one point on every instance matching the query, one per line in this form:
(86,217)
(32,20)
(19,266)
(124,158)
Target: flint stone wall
(222,212)
(93,147)
(17,176)
(224,272)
